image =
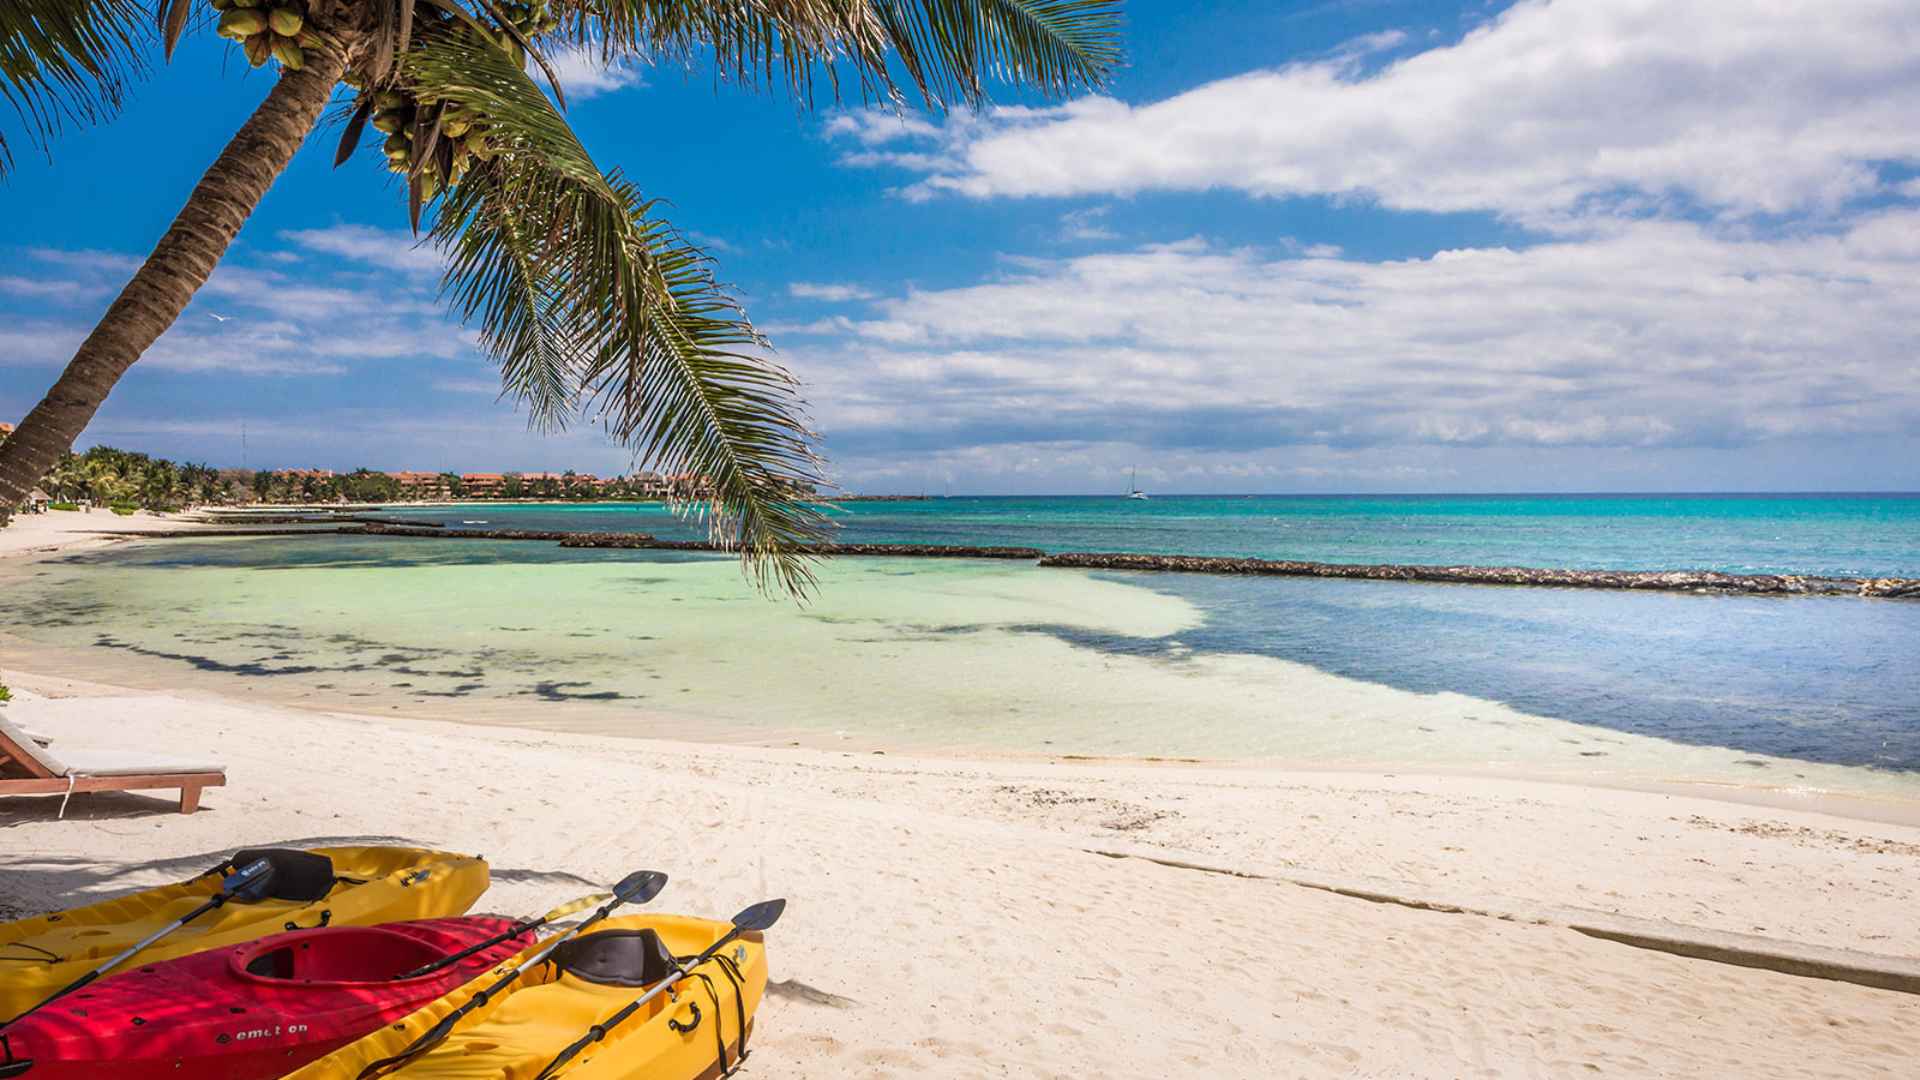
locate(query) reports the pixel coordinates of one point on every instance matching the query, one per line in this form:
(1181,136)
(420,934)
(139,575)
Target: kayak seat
(617,957)
(300,876)
(343,955)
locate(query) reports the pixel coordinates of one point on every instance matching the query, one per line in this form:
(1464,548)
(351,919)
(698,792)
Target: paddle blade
(249,882)
(572,906)
(760,916)
(640,886)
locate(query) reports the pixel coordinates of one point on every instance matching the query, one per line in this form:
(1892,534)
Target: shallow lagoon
(999,655)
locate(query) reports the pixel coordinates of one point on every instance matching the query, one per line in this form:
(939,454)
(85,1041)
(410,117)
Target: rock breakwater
(1650,580)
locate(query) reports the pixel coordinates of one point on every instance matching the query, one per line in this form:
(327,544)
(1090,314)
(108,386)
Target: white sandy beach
(70,530)
(967,917)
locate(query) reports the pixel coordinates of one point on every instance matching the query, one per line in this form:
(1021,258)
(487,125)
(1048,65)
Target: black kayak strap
(739,981)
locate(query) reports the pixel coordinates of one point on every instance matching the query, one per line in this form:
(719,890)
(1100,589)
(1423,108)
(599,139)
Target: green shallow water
(922,653)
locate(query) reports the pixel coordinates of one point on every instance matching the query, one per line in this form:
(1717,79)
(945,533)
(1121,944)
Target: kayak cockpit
(342,955)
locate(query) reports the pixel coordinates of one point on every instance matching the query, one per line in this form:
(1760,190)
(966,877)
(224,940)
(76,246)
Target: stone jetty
(1690,581)
(1651,580)
(924,551)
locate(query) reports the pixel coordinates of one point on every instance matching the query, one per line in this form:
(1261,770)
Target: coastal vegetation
(592,304)
(126,480)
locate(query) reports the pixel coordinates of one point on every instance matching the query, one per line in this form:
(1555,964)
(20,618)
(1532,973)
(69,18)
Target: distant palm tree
(591,303)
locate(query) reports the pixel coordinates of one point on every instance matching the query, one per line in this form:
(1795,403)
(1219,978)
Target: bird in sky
(218,318)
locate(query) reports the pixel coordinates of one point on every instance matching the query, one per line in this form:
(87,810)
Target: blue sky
(1315,246)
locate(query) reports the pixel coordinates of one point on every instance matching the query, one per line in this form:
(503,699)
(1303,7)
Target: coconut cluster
(401,116)
(268,28)
(464,139)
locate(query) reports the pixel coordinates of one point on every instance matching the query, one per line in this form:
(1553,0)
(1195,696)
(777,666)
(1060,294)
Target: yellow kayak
(354,886)
(681,1035)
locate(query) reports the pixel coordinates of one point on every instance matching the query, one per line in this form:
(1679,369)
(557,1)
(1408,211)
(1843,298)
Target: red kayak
(250,1012)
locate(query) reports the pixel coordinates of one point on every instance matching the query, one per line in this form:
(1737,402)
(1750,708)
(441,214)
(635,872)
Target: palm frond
(1054,46)
(946,50)
(590,301)
(67,61)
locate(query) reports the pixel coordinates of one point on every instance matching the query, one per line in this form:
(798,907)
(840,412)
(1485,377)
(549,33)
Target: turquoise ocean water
(1009,654)
(1748,534)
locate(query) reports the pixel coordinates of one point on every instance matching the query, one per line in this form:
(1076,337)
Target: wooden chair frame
(42,781)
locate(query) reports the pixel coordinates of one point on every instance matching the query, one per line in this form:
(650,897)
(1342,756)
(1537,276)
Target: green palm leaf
(67,60)
(592,303)
(945,48)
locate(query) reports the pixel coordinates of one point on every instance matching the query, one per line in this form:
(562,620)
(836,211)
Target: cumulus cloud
(1551,109)
(583,75)
(393,249)
(832,292)
(1088,224)
(1657,334)
(268,321)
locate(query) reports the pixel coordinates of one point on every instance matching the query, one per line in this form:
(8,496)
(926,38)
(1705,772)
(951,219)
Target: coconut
(221,5)
(397,143)
(242,23)
(454,126)
(289,53)
(390,99)
(258,48)
(389,121)
(285,21)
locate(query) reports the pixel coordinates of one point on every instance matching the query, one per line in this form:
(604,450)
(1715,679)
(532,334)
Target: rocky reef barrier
(1649,580)
(1687,581)
(924,551)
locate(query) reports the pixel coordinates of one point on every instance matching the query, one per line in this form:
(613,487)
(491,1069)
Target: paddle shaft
(448,961)
(440,1030)
(82,981)
(599,1030)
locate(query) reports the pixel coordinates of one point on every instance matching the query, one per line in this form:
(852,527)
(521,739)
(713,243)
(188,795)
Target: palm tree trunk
(179,265)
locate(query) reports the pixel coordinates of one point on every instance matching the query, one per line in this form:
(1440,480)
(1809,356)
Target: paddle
(514,931)
(758,917)
(636,888)
(247,883)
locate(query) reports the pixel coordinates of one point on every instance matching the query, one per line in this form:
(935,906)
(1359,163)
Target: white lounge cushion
(81,762)
(32,744)
(128,763)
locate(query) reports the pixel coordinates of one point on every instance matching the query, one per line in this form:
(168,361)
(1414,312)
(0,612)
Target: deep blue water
(1847,535)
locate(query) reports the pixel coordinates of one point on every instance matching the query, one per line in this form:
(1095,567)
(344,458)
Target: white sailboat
(1133,486)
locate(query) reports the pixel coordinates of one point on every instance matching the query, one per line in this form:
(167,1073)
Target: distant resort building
(483,485)
(424,486)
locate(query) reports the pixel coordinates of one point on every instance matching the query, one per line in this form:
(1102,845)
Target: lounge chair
(29,767)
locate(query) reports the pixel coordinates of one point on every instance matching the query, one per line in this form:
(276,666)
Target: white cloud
(878,126)
(582,74)
(832,292)
(1652,335)
(56,290)
(490,387)
(393,249)
(1551,109)
(1088,224)
(273,322)
(92,262)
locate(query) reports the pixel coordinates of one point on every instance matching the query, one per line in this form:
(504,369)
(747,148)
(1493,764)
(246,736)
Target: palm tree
(591,303)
